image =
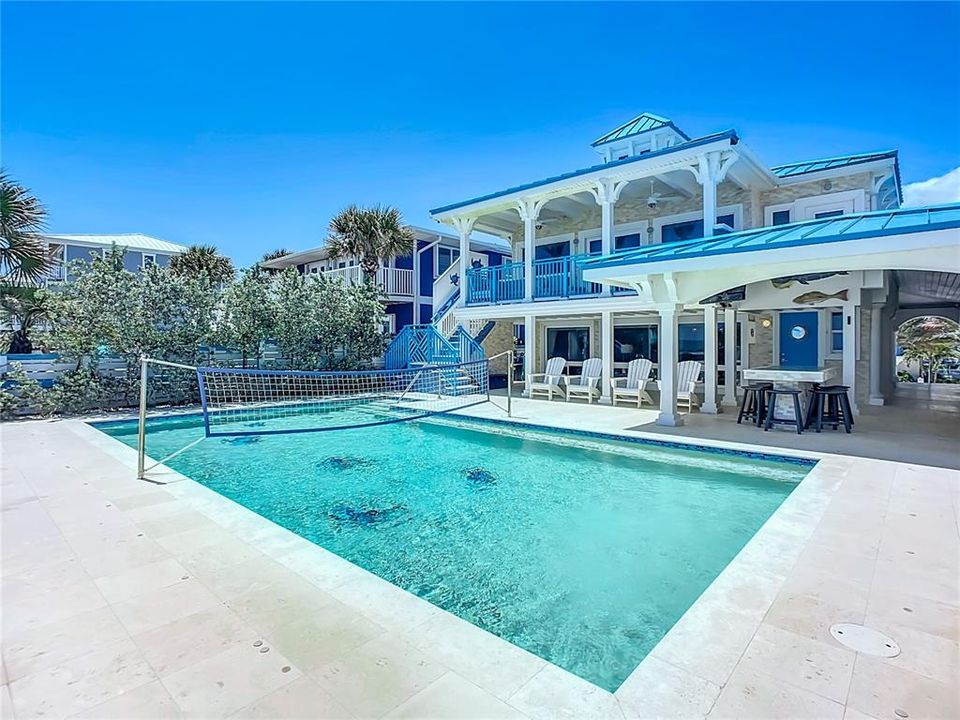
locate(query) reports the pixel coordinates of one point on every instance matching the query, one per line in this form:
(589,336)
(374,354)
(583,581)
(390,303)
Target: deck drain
(864,640)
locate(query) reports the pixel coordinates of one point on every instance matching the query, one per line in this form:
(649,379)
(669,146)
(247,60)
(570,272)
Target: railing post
(142,428)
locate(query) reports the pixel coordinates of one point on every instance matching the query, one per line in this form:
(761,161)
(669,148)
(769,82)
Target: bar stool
(771,395)
(753,407)
(831,406)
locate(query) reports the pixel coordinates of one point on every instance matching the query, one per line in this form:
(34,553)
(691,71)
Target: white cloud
(935,191)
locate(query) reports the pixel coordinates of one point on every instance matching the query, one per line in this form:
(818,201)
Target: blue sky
(248,125)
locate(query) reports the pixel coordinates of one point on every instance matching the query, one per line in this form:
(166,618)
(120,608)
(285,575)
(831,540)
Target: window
(446,257)
(827,214)
(148,260)
(635,341)
(722,341)
(781,217)
(836,332)
(552,250)
(570,343)
(691,341)
(627,241)
(595,247)
(689,229)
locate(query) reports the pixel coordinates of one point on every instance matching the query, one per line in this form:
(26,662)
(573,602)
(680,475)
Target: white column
(464,227)
(416,282)
(606,353)
(709,170)
(529,350)
(730,357)
(669,350)
(710,360)
(876,353)
(529,210)
(850,354)
(606,227)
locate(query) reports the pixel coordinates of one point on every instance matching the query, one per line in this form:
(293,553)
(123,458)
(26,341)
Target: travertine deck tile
(453,698)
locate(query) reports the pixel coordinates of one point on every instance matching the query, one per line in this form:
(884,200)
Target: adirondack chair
(587,383)
(550,383)
(634,385)
(687,374)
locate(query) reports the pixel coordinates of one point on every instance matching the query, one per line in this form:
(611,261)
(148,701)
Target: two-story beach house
(141,250)
(420,288)
(813,263)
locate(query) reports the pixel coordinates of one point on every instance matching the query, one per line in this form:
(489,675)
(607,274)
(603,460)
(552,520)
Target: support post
(709,170)
(876,353)
(730,357)
(529,350)
(710,360)
(606,354)
(464,227)
(606,193)
(850,354)
(142,428)
(669,351)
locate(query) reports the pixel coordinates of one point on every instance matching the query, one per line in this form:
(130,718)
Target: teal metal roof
(730,135)
(644,122)
(811,232)
(810,166)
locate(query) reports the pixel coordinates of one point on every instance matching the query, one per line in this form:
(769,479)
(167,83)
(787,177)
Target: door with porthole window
(798,339)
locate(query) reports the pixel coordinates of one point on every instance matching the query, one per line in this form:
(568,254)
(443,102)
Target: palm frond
(23,251)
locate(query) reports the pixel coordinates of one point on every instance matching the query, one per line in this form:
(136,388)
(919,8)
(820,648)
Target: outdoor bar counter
(792,378)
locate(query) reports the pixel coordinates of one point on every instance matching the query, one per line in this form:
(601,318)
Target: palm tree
(203,258)
(274,254)
(24,309)
(371,234)
(23,252)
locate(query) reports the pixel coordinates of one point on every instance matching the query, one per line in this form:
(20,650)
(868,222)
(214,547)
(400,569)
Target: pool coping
(691,662)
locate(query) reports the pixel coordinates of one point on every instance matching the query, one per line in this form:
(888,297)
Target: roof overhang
(916,239)
(632,168)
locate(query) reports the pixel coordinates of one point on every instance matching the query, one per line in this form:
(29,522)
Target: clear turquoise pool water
(582,551)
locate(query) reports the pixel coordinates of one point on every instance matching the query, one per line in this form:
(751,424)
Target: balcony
(396,282)
(553,279)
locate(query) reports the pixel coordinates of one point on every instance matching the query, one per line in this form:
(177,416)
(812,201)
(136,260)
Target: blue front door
(798,339)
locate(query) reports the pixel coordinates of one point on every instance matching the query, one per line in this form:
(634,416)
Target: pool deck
(127,599)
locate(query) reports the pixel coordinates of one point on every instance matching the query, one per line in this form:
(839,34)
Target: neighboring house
(419,288)
(615,261)
(141,250)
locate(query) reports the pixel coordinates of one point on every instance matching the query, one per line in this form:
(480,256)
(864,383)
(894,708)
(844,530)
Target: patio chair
(587,383)
(687,374)
(551,379)
(634,385)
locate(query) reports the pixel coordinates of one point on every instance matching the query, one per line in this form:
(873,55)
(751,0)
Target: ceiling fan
(654,200)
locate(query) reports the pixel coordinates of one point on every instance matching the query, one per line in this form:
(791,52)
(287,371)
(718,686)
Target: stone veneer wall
(636,210)
(760,351)
(789,193)
(499,340)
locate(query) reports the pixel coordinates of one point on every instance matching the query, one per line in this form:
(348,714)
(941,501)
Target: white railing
(448,324)
(394,281)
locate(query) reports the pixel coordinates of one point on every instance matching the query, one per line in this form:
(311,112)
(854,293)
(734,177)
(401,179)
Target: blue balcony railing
(562,277)
(495,284)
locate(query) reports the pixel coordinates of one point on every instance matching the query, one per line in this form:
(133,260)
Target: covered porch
(828,285)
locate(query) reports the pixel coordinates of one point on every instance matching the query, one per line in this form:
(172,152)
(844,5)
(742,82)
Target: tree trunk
(370,266)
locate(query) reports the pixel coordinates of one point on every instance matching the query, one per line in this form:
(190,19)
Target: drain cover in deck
(864,640)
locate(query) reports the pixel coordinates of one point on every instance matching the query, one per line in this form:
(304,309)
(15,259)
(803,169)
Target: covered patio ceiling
(921,240)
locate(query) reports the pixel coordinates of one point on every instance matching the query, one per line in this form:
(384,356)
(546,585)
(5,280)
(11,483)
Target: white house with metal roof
(813,265)
(141,250)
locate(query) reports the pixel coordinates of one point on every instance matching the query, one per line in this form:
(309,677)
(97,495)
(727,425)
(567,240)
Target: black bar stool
(753,405)
(830,406)
(772,394)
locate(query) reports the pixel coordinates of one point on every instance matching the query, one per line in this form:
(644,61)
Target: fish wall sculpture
(815,296)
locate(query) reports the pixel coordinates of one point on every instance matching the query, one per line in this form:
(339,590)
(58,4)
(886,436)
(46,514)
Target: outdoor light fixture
(766,322)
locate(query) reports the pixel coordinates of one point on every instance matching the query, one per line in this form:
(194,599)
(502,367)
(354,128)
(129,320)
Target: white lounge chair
(551,379)
(587,383)
(634,385)
(688,372)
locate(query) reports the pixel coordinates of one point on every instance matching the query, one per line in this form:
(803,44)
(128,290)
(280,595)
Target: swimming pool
(584,551)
